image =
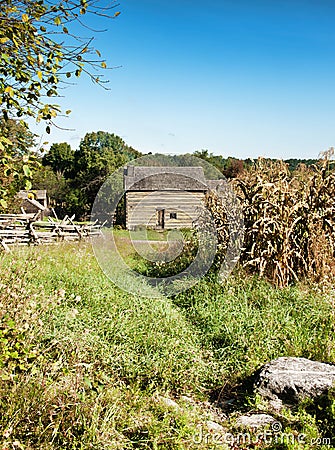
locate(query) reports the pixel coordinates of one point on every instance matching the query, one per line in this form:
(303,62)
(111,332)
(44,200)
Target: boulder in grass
(255,421)
(293,379)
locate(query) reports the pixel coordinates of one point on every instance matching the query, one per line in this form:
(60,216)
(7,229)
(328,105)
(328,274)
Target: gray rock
(293,379)
(168,402)
(187,399)
(214,426)
(275,405)
(255,421)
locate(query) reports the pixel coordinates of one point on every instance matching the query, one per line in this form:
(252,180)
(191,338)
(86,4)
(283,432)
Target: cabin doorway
(161,218)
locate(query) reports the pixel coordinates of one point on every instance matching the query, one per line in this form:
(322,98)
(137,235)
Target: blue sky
(240,78)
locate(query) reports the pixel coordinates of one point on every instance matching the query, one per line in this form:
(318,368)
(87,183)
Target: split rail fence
(26,229)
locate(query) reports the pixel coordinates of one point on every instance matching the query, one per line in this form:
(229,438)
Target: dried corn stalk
(289,220)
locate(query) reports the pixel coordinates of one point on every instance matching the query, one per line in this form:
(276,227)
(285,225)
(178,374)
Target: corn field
(289,220)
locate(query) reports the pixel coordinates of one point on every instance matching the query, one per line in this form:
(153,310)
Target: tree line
(73,177)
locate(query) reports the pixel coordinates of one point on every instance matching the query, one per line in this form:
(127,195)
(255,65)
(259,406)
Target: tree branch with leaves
(39,50)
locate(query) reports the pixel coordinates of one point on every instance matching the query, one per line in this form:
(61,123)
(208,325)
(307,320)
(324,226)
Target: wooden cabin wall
(142,207)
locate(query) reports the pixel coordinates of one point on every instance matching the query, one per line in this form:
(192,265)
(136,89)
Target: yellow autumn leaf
(39,74)
(25,18)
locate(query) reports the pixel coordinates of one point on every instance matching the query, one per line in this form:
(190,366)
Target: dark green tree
(60,158)
(230,167)
(99,155)
(294,163)
(216,160)
(56,185)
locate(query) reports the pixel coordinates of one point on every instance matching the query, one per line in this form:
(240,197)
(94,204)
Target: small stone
(276,405)
(187,399)
(169,402)
(228,402)
(72,313)
(255,421)
(61,293)
(214,426)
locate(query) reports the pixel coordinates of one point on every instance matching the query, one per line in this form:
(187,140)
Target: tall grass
(84,364)
(247,321)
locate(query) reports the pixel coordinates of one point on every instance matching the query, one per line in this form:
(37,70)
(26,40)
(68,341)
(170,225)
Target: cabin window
(173,215)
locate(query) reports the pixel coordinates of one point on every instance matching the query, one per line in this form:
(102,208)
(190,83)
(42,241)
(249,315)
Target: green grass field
(85,365)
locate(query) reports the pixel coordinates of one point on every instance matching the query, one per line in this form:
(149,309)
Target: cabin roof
(39,194)
(151,178)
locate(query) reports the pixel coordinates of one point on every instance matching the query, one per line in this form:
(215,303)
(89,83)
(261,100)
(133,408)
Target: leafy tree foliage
(39,49)
(60,158)
(217,160)
(99,155)
(230,167)
(15,176)
(294,163)
(81,173)
(55,183)
(21,138)
(34,56)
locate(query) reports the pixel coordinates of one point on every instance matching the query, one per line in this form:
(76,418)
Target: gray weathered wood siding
(142,208)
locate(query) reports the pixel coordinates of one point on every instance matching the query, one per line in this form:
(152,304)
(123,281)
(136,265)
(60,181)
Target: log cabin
(164,197)
(34,200)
